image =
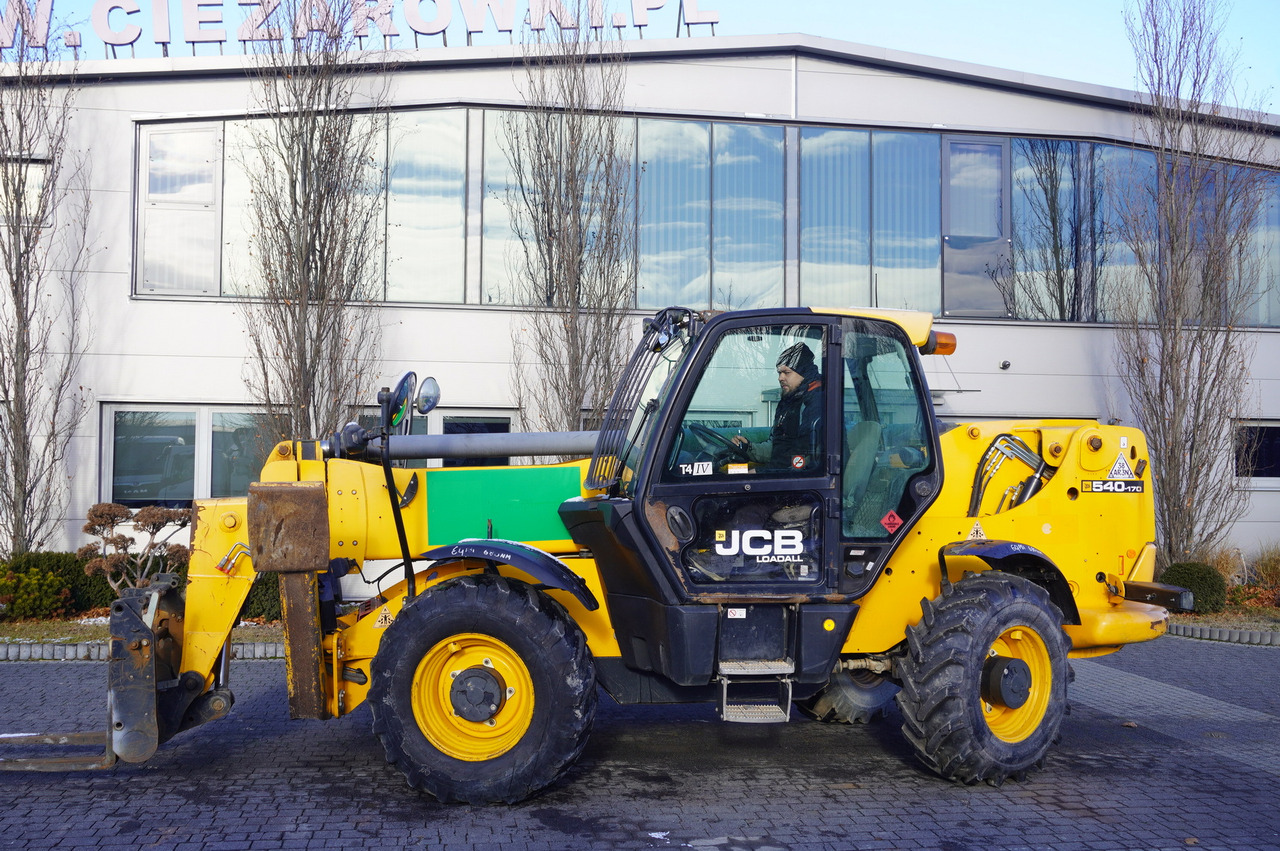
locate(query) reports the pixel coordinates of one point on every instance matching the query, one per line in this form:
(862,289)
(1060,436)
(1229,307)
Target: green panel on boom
(522,502)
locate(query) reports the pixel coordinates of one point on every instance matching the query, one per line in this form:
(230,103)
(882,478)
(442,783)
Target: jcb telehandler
(772,515)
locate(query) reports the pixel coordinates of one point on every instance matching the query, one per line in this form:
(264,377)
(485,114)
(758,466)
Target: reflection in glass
(747,205)
(477,425)
(499,255)
(1266,243)
(240,277)
(675,210)
(426,207)
(181,165)
(153,458)
(241,441)
(835,217)
(179,218)
(1048,273)
(253,161)
(906,220)
(974,241)
(1125,217)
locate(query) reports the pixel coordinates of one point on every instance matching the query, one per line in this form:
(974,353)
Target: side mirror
(397,412)
(428,395)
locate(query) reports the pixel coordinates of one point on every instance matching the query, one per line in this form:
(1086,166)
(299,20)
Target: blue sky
(1080,40)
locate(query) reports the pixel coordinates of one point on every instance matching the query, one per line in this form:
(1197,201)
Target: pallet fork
(147,701)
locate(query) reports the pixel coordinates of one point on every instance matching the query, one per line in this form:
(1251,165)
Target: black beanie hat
(798,358)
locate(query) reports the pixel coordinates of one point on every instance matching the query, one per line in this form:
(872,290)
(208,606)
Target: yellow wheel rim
(1015,725)
(496,671)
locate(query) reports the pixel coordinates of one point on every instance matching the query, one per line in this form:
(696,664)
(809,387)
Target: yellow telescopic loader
(771,517)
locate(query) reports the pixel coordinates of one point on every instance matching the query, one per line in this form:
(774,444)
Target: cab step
(751,701)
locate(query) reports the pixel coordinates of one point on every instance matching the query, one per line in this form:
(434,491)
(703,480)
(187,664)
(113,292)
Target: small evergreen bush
(87,592)
(33,594)
(1202,580)
(264,599)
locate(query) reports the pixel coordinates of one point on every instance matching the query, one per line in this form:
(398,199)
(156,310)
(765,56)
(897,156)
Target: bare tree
(1180,351)
(313,269)
(1057,241)
(571,198)
(44,209)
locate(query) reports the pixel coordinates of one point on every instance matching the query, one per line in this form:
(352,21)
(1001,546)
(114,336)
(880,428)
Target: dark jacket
(797,429)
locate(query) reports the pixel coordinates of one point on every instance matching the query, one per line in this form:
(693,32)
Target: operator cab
(745,510)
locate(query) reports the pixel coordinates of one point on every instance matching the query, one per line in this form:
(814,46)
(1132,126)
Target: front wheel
(483,691)
(984,681)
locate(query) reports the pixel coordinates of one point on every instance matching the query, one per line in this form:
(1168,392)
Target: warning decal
(1121,469)
(976,533)
(891,522)
(384,619)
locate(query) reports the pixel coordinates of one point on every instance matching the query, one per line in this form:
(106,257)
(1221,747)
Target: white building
(777,171)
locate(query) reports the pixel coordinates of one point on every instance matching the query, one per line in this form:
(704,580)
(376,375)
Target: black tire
(852,697)
(483,691)
(967,730)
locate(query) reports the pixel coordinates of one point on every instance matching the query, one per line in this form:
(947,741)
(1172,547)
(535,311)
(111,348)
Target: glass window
(477,425)
(758,406)
(1258,451)
(240,443)
(975,230)
(1048,271)
(886,441)
(835,217)
(906,221)
(1266,243)
(426,207)
(254,174)
(747,202)
(1125,218)
(239,276)
(153,458)
(675,214)
(179,216)
(500,245)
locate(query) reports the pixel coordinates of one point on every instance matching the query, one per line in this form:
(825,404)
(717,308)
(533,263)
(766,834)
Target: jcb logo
(760,542)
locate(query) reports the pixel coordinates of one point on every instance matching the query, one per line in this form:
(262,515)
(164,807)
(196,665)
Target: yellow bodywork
(1085,534)
(1097,535)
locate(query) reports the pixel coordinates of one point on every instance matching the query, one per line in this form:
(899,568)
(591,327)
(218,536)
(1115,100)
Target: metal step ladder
(750,679)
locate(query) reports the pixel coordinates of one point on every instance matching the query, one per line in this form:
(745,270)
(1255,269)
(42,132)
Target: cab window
(758,408)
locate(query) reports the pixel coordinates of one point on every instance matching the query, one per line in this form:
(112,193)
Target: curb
(1263,638)
(97,652)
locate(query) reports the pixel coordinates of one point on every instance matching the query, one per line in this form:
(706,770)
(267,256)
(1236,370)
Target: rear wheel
(483,691)
(984,680)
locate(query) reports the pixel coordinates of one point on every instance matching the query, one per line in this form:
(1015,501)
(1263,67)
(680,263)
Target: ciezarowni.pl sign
(150,27)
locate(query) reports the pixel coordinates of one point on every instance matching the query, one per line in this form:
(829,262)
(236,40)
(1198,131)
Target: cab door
(742,495)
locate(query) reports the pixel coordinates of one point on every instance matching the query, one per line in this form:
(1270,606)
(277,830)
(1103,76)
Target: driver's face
(789,380)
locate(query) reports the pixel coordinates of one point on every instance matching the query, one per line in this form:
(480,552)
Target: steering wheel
(708,435)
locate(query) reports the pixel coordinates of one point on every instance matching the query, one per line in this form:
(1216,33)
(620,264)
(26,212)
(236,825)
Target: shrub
(87,592)
(1229,562)
(112,555)
(1252,596)
(264,598)
(1202,580)
(1266,566)
(33,594)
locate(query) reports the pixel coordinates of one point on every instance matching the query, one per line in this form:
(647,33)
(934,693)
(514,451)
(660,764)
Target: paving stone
(672,777)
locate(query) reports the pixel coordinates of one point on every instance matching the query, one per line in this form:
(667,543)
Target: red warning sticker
(891,521)
(797,461)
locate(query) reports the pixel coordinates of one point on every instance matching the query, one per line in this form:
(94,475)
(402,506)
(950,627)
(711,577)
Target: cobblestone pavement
(1170,745)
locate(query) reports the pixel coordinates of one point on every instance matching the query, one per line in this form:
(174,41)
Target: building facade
(770,171)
